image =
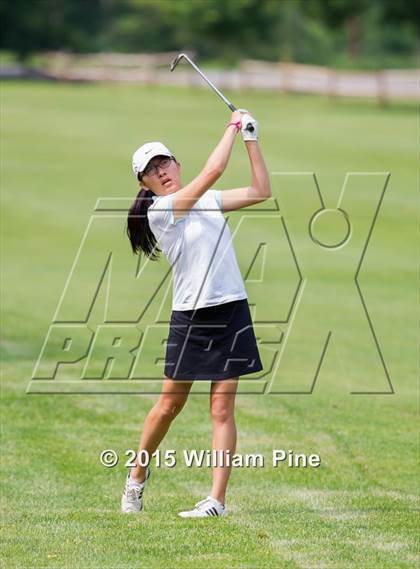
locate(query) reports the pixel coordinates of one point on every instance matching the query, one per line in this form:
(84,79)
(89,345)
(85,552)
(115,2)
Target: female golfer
(211,336)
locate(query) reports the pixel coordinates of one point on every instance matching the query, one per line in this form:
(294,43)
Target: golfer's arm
(185,198)
(260,183)
(260,188)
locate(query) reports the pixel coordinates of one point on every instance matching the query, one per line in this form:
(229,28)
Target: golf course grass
(64,146)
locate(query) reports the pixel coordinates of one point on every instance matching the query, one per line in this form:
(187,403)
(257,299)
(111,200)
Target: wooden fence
(153,69)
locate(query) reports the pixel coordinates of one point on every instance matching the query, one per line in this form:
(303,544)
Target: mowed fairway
(63,147)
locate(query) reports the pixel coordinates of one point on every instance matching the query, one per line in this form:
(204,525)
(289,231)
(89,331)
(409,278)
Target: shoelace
(210,506)
(201,503)
(133,493)
(136,492)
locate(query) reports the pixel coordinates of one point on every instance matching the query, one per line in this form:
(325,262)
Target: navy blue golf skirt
(213,343)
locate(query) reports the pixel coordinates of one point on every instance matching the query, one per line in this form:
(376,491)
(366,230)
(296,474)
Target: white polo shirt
(199,248)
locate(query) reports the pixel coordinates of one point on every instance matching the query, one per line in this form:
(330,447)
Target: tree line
(331,32)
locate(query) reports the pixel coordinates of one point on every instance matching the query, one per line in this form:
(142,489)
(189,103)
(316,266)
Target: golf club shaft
(228,103)
(224,99)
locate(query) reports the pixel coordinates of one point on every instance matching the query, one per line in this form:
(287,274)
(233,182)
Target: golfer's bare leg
(222,406)
(171,400)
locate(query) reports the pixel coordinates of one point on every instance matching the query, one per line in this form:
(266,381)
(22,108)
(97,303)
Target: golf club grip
(249,126)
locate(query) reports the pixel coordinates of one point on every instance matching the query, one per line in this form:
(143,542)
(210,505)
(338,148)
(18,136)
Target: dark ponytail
(138,230)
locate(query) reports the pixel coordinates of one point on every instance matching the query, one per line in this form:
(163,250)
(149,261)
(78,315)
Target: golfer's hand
(248,122)
(236,116)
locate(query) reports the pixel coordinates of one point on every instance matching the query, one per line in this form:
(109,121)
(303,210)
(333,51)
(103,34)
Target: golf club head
(177,60)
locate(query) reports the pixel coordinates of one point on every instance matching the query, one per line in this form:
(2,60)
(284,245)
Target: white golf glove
(246,120)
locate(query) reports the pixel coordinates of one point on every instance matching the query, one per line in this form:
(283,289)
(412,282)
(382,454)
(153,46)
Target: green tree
(39,25)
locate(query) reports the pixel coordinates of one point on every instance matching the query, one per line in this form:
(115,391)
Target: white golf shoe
(132,498)
(205,508)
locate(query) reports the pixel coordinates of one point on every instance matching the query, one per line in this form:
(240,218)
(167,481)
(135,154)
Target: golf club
(207,80)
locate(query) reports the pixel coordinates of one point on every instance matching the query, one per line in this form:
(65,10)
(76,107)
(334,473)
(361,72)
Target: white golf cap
(145,153)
